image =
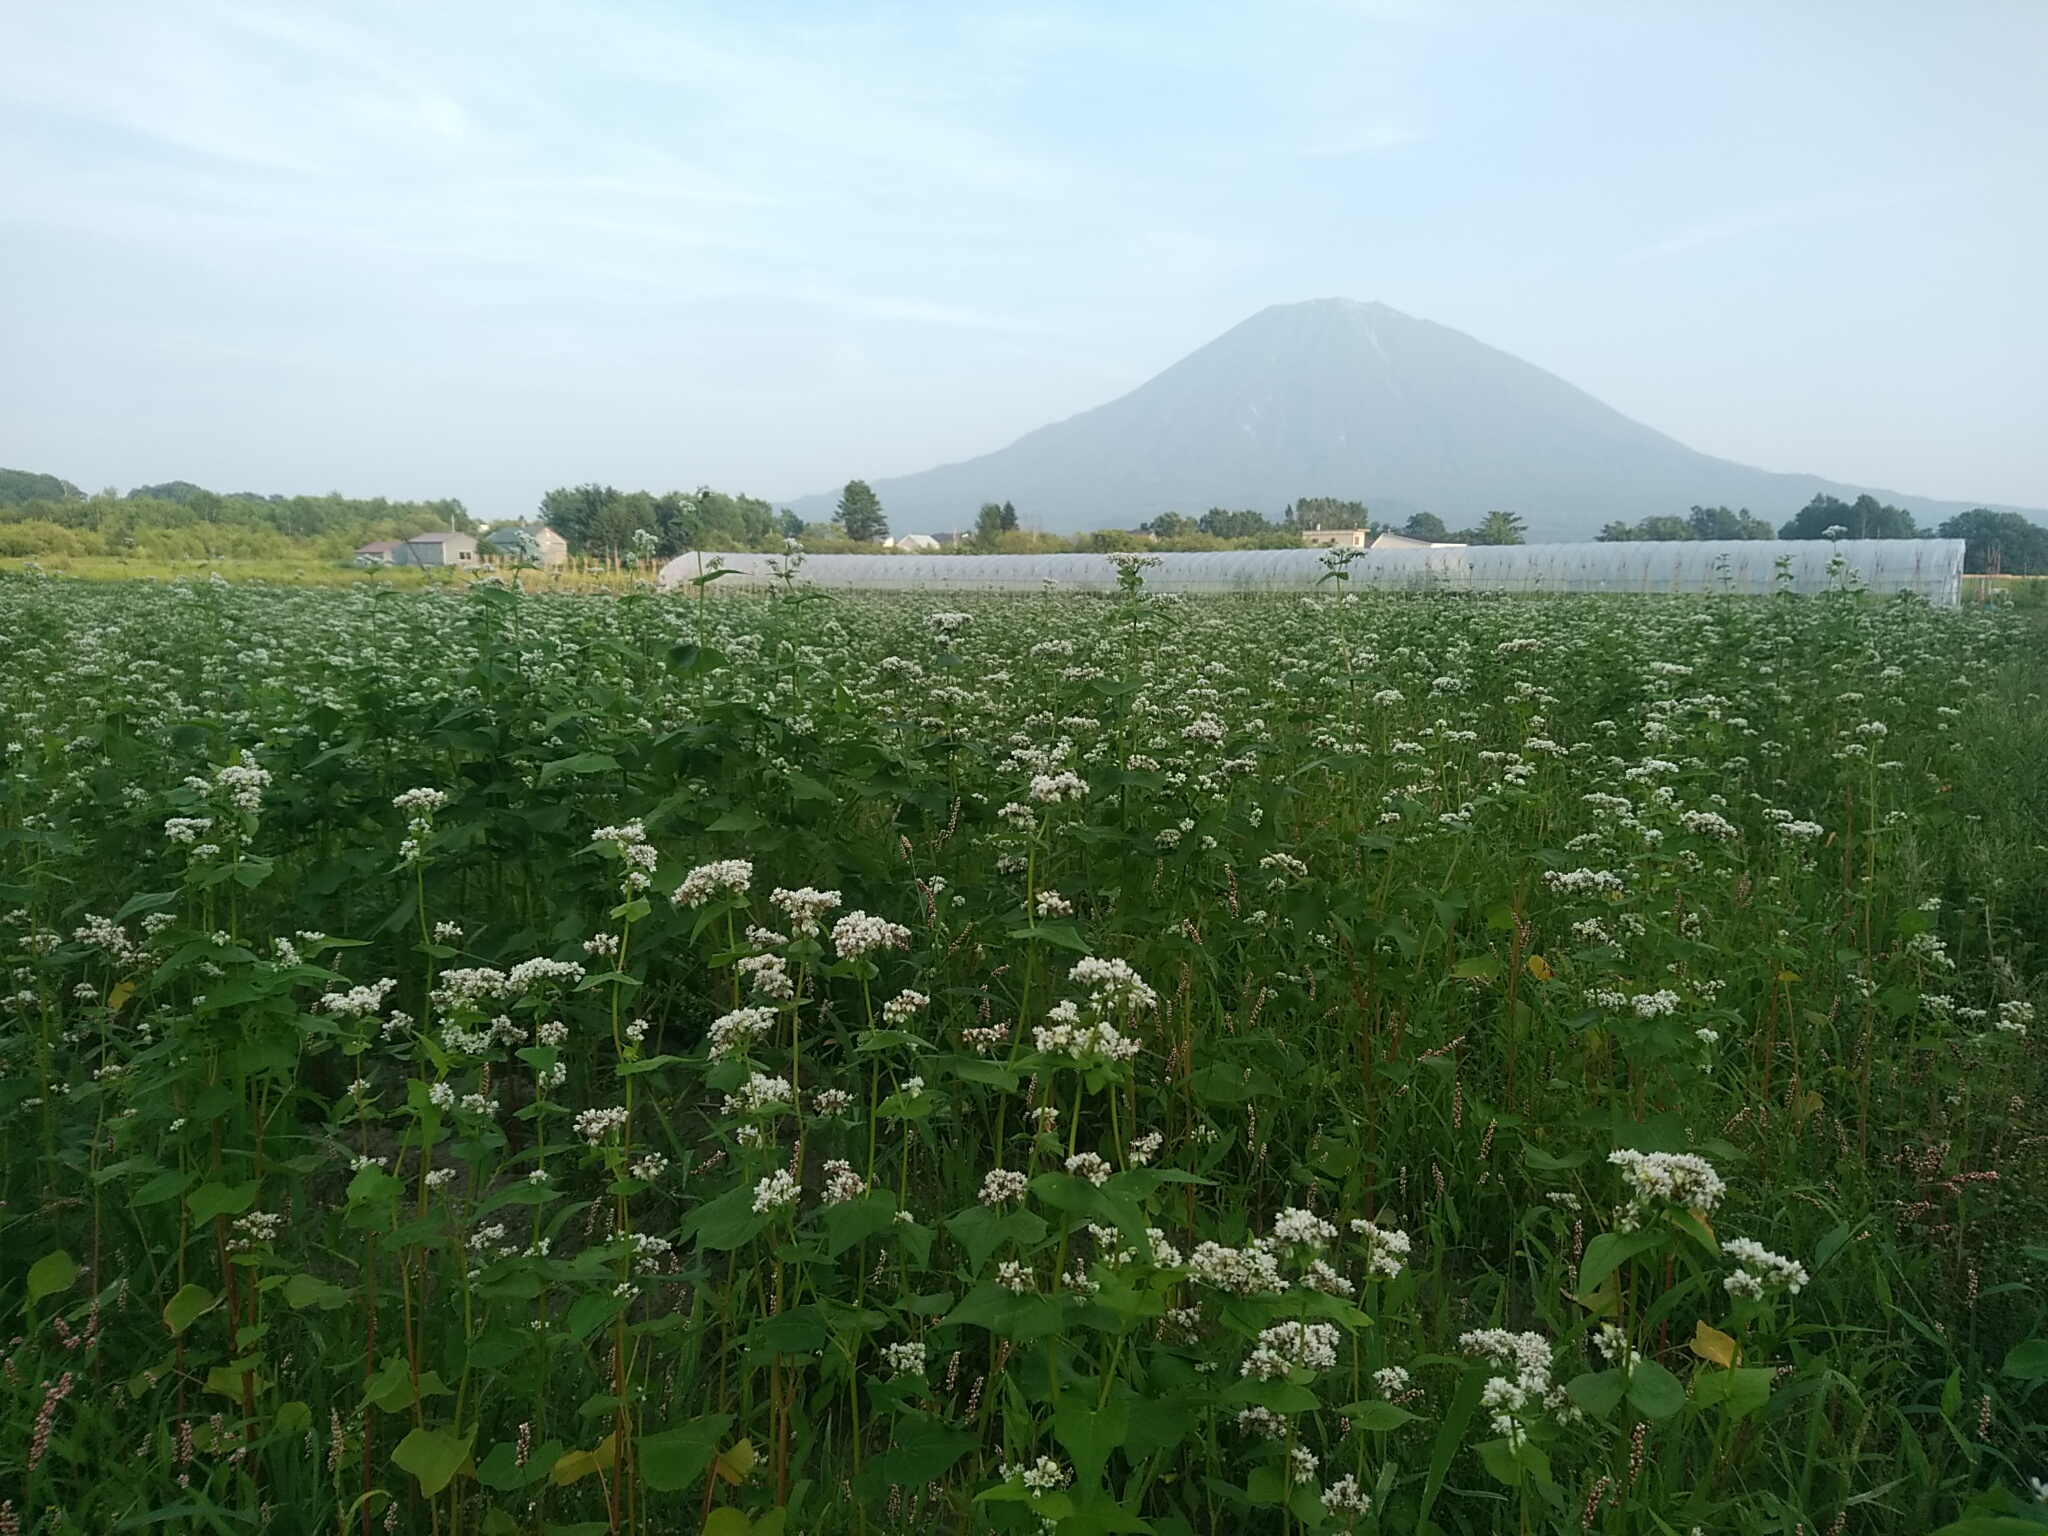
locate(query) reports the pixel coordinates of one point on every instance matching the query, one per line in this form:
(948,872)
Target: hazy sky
(478,250)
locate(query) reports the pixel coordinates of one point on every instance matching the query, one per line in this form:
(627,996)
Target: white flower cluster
(1112,986)
(1682,1179)
(1052,788)
(767,976)
(842,1183)
(1345,1500)
(530,975)
(1089,1166)
(904,1359)
(707,882)
(1066,1036)
(2014,1017)
(1709,824)
(999,1186)
(1511,1398)
(1581,881)
(243,783)
(1303,1228)
(1287,1345)
(804,907)
(904,1007)
(731,1033)
(357,1002)
(1253,1270)
(1644,1005)
(1386,1248)
(857,934)
(186,830)
(629,841)
(777,1192)
(1759,1270)
(761,1094)
(597,1125)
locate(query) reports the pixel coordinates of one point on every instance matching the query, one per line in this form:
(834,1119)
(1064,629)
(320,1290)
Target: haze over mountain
(1334,397)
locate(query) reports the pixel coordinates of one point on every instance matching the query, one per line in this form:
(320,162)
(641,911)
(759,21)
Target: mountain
(1339,398)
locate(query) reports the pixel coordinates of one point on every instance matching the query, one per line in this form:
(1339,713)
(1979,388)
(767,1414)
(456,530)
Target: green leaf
(1090,1433)
(727,1521)
(1375,1417)
(673,1460)
(52,1273)
(1744,1390)
(582,762)
(1609,1251)
(501,1470)
(925,1450)
(1653,1391)
(211,1200)
(1598,1392)
(1477,967)
(857,1220)
(1449,1436)
(2028,1361)
(186,1308)
(433,1456)
(303,1291)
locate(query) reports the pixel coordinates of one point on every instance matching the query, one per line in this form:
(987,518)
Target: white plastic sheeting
(1932,568)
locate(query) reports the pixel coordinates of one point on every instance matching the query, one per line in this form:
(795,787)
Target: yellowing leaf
(186,1308)
(1806,1105)
(1539,967)
(1714,1346)
(576,1465)
(736,1462)
(1788,975)
(121,993)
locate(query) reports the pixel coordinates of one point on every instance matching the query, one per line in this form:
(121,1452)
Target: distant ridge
(1334,397)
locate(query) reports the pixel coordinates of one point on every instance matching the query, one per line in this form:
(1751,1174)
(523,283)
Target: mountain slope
(1339,398)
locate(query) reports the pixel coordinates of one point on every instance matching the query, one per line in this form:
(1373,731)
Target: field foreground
(484,1061)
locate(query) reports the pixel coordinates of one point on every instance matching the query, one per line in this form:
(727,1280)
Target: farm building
(537,541)
(380,552)
(437,549)
(1334,538)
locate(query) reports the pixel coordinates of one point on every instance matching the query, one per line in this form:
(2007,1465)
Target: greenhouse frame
(1930,568)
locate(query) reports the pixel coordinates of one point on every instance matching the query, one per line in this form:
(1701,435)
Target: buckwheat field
(473,1061)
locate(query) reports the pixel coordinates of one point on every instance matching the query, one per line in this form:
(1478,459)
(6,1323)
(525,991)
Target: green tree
(572,511)
(1170,525)
(1427,525)
(2016,546)
(1864,518)
(19,485)
(860,513)
(989,525)
(1495,528)
(1720,523)
(1330,512)
(1223,523)
(1649,530)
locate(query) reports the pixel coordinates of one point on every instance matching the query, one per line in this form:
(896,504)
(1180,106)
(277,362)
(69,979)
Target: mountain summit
(1334,397)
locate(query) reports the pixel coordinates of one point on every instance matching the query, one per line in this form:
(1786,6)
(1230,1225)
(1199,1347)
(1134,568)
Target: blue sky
(479,250)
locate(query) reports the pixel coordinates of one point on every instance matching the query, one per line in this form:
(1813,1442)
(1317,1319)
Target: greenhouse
(1931,568)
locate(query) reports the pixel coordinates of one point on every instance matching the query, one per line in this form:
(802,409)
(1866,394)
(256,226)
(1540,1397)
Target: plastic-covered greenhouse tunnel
(1930,568)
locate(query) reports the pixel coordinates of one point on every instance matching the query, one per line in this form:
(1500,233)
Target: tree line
(2004,540)
(41,514)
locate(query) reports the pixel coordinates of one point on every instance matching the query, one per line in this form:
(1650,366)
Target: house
(1402,541)
(1334,538)
(380,552)
(533,541)
(916,544)
(437,549)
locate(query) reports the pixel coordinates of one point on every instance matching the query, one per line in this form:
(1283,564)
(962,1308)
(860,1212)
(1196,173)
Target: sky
(480,250)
